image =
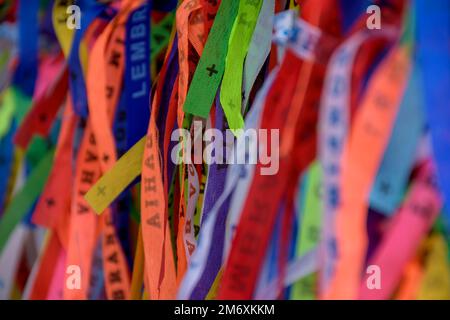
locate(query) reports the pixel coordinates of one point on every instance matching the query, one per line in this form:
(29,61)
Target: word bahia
(249,146)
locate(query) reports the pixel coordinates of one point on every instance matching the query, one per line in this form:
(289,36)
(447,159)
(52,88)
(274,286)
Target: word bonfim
(249,146)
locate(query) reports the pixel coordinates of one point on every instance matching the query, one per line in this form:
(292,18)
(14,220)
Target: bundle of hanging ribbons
(115,117)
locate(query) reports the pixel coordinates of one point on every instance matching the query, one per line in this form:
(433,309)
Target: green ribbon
(14,103)
(25,198)
(241,35)
(160,35)
(309,233)
(211,66)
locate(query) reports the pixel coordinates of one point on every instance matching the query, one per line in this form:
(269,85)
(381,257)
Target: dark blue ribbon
(26,72)
(90,10)
(137,84)
(433,55)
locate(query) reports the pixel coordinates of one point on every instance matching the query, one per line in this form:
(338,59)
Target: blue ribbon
(392,178)
(433,55)
(165,5)
(90,10)
(26,72)
(122,206)
(137,73)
